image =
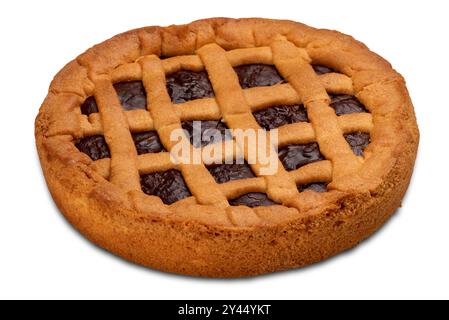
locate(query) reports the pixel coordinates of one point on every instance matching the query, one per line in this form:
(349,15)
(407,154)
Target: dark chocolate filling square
(206,136)
(132,95)
(346,104)
(258,75)
(147,142)
(183,86)
(95,147)
(316,186)
(320,70)
(295,156)
(89,106)
(358,142)
(277,116)
(252,200)
(168,185)
(223,173)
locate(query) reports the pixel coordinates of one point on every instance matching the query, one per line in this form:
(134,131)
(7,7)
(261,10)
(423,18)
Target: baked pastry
(347,138)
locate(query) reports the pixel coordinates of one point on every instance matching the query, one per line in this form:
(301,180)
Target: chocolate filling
(95,147)
(316,186)
(228,172)
(147,142)
(278,116)
(253,199)
(320,70)
(185,85)
(206,136)
(257,75)
(89,106)
(296,156)
(168,185)
(358,142)
(346,104)
(131,94)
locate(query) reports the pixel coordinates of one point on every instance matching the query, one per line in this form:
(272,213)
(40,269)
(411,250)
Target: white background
(41,256)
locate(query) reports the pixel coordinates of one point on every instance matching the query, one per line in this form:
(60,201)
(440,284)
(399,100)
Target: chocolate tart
(347,142)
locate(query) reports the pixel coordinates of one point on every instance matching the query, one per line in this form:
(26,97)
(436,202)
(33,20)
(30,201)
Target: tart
(346,147)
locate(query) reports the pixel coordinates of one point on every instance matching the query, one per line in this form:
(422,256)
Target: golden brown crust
(203,235)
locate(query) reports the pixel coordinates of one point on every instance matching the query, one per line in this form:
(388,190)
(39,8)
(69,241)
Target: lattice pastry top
(346,128)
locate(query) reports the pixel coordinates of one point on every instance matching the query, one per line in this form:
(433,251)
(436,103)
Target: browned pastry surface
(347,137)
